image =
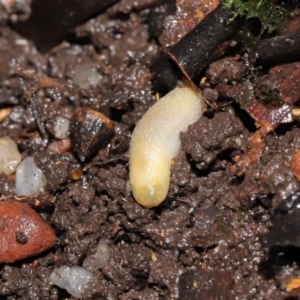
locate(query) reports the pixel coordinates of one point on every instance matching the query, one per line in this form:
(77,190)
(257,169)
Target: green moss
(247,93)
(263,18)
(270,13)
(270,95)
(273,97)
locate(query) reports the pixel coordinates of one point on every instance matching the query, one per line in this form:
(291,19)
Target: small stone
(10,156)
(295,165)
(21,238)
(30,179)
(22,232)
(61,127)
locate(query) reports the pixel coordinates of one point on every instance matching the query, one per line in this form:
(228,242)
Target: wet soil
(203,242)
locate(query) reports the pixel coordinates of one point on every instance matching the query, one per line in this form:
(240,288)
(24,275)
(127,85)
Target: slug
(155,142)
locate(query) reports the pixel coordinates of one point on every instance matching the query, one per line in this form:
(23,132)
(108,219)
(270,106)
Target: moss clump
(270,13)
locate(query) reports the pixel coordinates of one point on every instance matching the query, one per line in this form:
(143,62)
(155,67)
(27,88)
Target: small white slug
(155,142)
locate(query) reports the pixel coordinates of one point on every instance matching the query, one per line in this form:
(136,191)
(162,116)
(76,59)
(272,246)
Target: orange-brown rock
(22,232)
(295,165)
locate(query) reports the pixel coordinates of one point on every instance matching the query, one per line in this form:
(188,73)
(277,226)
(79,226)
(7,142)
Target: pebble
(61,127)
(99,259)
(295,165)
(10,156)
(73,279)
(22,232)
(86,77)
(30,179)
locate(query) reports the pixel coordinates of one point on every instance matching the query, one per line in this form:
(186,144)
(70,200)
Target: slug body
(156,141)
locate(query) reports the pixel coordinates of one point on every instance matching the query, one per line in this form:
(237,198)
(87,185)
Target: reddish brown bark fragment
(188,14)
(292,25)
(274,115)
(287,77)
(257,146)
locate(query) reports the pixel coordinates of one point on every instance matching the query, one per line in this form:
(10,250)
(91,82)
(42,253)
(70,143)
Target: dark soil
(203,242)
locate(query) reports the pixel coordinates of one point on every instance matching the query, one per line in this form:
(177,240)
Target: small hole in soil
(116,114)
(278,258)
(254,26)
(245,118)
(72,38)
(282,129)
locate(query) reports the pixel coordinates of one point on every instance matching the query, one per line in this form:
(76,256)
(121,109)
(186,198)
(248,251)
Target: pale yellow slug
(155,142)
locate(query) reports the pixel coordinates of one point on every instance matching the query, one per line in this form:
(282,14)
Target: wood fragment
(187,15)
(280,49)
(4,113)
(196,50)
(296,112)
(107,69)
(33,200)
(257,147)
(38,116)
(189,82)
(39,82)
(274,115)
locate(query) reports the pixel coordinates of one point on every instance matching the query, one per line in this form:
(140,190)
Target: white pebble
(29,178)
(61,127)
(86,77)
(73,279)
(10,157)
(98,260)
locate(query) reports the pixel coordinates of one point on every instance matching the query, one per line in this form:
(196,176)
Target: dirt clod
(207,138)
(205,285)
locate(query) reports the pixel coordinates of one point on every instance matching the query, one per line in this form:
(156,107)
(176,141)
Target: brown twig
(196,50)
(33,200)
(280,49)
(39,82)
(190,81)
(106,69)
(256,149)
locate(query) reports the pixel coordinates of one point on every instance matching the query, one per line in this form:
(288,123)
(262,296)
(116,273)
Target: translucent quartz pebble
(10,156)
(73,279)
(29,178)
(61,127)
(99,259)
